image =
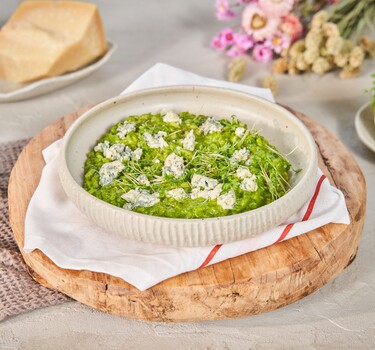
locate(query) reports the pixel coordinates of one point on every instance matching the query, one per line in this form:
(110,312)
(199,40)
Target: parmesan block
(48,38)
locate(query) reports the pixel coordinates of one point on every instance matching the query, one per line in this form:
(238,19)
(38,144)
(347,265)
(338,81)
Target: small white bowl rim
(21,92)
(357,122)
(165,89)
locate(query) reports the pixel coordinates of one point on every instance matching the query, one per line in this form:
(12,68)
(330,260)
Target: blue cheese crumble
(240,131)
(211,125)
(137,153)
(249,184)
(241,155)
(178,194)
(204,187)
(156,140)
(170,116)
(227,200)
(204,182)
(243,172)
(140,198)
(189,141)
(125,129)
(174,165)
(118,151)
(110,171)
(249,179)
(206,194)
(143,180)
(102,147)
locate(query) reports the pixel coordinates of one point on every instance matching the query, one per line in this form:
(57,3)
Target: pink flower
(276,8)
(292,26)
(262,53)
(278,42)
(223,11)
(243,41)
(223,39)
(217,43)
(235,51)
(227,36)
(256,23)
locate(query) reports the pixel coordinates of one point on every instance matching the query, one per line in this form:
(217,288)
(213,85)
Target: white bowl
(10,92)
(365,125)
(279,126)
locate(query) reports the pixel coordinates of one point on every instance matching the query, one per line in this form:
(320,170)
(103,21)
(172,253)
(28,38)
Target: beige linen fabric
(18,291)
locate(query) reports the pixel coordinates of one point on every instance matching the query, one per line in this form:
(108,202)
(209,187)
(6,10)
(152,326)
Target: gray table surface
(339,315)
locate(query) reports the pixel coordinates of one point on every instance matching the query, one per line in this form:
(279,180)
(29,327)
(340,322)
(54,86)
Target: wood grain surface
(256,282)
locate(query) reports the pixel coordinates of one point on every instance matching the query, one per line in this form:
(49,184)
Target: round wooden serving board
(246,285)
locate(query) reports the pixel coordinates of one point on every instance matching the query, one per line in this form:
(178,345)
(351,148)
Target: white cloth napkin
(56,227)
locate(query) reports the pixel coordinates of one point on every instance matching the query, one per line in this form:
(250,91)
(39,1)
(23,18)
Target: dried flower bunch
(267,28)
(353,16)
(323,49)
(273,28)
(237,69)
(307,8)
(270,82)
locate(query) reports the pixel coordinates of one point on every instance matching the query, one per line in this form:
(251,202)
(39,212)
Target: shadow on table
(342,113)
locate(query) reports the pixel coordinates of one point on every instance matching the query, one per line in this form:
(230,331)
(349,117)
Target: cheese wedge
(48,38)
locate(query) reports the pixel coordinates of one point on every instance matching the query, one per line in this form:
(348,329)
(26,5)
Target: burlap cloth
(18,291)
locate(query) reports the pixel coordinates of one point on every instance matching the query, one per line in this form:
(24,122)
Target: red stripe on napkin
(285,232)
(308,211)
(313,199)
(211,255)
(286,229)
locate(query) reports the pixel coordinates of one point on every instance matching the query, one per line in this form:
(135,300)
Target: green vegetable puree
(220,149)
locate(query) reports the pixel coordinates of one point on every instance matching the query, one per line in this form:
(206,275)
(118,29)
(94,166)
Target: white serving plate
(10,92)
(365,125)
(277,124)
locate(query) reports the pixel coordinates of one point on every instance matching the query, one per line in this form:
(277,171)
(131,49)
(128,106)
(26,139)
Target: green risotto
(185,166)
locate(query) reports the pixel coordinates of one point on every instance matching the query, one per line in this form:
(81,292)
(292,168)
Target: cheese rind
(48,38)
